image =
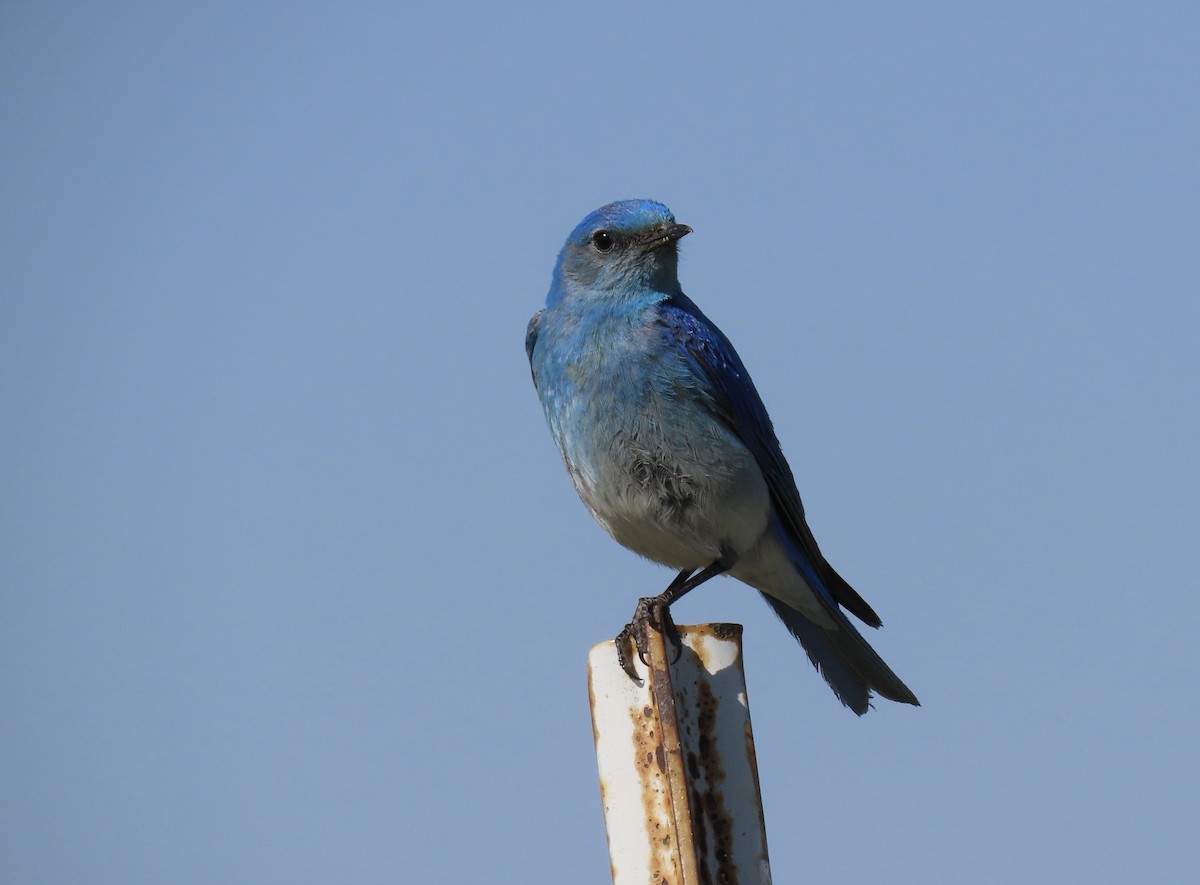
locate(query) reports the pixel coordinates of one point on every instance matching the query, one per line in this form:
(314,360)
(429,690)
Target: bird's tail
(850,666)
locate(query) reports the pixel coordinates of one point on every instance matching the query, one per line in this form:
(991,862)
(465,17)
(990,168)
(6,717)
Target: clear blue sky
(293,587)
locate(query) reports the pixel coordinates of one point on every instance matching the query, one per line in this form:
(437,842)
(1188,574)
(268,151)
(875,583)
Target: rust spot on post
(676,798)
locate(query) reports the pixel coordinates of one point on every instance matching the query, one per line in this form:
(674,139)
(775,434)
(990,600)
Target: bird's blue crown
(626,216)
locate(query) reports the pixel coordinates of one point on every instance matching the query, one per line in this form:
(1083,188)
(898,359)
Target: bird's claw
(652,612)
(630,636)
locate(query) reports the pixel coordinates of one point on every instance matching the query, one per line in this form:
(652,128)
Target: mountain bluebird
(670,446)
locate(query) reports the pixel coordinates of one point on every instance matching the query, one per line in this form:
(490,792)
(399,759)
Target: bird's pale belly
(680,502)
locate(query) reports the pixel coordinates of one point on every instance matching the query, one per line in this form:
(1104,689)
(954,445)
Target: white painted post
(678,775)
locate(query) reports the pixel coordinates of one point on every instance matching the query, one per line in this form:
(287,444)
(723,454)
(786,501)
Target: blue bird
(670,446)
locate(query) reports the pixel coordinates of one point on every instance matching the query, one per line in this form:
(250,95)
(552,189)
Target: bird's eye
(603,241)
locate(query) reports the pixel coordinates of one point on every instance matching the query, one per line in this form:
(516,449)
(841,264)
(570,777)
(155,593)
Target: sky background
(293,585)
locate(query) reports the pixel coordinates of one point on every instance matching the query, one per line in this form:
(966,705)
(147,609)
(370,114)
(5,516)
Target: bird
(671,449)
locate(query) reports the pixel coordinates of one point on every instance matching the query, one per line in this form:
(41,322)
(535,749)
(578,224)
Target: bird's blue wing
(736,401)
(531,334)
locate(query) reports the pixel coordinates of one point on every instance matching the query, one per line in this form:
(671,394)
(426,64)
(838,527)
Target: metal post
(678,775)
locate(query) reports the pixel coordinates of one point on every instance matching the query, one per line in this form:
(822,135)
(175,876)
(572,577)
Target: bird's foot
(652,613)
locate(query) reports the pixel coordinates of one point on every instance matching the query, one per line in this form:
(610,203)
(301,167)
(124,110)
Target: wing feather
(531,335)
(736,401)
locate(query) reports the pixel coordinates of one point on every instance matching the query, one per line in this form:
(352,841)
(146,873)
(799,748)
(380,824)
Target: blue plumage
(669,445)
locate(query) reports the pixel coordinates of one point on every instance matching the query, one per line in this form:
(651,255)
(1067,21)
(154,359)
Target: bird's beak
(664,235)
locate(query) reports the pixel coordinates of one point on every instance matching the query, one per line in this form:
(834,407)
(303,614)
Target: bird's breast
(652,462)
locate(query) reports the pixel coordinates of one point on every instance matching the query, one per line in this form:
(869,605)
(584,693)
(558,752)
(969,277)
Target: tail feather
(850,666)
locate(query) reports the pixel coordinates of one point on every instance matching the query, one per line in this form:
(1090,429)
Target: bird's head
(624,247)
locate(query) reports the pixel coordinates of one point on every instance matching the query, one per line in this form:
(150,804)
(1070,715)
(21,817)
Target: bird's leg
(655,611)
(634,632)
